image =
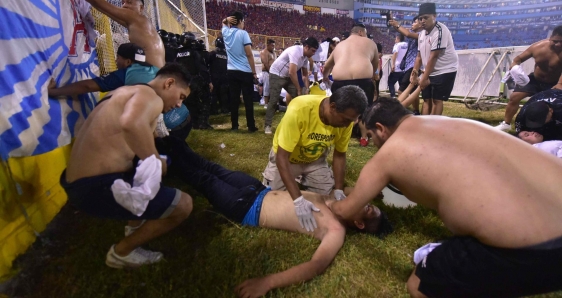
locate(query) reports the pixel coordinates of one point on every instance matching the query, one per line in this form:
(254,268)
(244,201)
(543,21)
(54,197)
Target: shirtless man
(245,200)
(354,62)
(118,129)
(548,69)
(267,57)
(503,206)
(141,30)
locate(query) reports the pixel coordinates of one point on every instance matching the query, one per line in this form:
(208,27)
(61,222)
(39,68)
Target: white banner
(277,4)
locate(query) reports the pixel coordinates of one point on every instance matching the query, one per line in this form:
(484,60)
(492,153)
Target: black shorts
(440,86)
(367,85)
(535,86)
(464,267)
(93,195)
(405,80)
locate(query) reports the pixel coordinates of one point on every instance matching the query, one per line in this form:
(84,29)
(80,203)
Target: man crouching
(118,129)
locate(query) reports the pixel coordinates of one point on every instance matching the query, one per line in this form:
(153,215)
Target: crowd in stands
(469,14)
(274,23)
(459,6)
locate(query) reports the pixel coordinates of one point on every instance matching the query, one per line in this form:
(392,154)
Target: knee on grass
(183,208)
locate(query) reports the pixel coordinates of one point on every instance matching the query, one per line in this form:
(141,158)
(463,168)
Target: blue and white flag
(40,40)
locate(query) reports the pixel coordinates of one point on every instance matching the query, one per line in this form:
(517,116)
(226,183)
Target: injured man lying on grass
(244,199)
(503,206)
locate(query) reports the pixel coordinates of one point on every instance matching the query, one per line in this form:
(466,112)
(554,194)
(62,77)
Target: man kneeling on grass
(246,200)
(503,206)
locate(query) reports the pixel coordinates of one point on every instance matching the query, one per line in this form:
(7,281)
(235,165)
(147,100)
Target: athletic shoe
(267,130)
(129,230)
(503,126)
(363,142)
(265,107)
(252,129)
(136,258)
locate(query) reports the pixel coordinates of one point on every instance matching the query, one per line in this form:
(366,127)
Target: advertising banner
(277,4)
(337,4)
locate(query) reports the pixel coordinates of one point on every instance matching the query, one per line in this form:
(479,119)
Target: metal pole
(479,74)
(491,77)
(187,17)
(205,25)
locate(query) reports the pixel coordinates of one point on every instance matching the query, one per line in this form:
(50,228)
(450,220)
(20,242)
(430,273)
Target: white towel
(552,147)
(422,252)
(519,76)
(161,130)
(146,185)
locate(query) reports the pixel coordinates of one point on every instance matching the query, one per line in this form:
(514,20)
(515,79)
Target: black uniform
(217,65)
(199,100)
(551,130)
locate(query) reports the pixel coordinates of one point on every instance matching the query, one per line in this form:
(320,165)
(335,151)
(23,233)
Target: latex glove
(338,193)
(304,209)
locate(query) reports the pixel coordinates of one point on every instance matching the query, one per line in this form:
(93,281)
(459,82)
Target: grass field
(207,256)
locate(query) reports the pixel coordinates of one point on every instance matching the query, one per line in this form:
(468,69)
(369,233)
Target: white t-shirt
(439,38)
(552,147)
(401,48)
(293,55)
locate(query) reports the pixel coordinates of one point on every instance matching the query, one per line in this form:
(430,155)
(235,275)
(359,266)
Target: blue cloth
(176,116)
(411,53)
(235,40)
(252,218)
(299,77)
(131,75)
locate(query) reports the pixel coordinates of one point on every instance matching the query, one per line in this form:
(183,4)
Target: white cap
(336,39)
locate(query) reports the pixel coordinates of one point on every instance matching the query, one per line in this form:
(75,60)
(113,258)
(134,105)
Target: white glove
(304,209)
(338,193)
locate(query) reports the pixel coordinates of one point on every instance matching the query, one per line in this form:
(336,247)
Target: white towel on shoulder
(422,252)
(146,185)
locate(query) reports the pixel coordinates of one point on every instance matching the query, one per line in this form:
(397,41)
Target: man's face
(379,135)
(427,21)
(556,43)
(396,39)
(531,137)
(370,216)
(173,94)
(134,5)
(416,26)
(309,51)
(343,119)
(271,47)
(122,62)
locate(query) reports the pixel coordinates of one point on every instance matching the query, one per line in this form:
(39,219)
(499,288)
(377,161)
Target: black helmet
(219,43)
(189,36)
(164,35)
(172,38)
(178,37)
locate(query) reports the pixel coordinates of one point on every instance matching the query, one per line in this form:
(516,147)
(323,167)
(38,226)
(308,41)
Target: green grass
(207,255)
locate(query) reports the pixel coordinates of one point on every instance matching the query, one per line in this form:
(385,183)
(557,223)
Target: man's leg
(265,79)
(392,79)
(427,106)
(275,85)
(291,90)
(152,229)
(437,107)
(234,86)
(224,95)
(317,176)
(513,105)
(413,284)
(247,94)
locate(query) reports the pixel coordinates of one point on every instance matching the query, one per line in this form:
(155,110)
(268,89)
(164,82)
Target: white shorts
(265,79)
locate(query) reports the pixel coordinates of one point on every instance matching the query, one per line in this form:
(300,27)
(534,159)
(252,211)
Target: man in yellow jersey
(302,141)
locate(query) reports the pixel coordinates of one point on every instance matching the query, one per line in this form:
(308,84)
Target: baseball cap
(132,51)
(535,114)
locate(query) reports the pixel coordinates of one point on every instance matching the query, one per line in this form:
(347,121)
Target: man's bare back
(100,146)
(548,62)
(354,58)
(141,30)
(482,182)
(267,58)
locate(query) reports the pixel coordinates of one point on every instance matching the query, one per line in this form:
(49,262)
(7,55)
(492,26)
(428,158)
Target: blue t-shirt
(131,75)
(235,40)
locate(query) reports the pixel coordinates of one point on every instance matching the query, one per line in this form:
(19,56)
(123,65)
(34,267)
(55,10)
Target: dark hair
(386,111)
(379,47)
(415,18)
(349,97)
(400,37)
(238,15)
(557,31)
(311,42)
(176,71)
(379,226)
(270,41)
(358,28)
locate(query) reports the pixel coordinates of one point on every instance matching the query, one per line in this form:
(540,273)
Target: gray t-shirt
(439,38)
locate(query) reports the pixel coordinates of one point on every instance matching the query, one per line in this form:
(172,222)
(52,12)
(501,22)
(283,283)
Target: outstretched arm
(121,15)
(322,258)
(81,87)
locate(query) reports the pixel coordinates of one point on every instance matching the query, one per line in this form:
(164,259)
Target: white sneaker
(129,230)
(265,107)
(136,258)
(503,126)
(267,130)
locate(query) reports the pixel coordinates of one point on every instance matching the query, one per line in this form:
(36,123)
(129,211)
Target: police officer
(170,45)
(219,78)
(191,54)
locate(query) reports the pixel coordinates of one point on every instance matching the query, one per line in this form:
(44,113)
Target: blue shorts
(93,195)
(252,218)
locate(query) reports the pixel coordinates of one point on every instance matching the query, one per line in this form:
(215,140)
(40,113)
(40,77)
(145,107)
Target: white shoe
(136,258)
(129,230)
(265,107)
(267,130)
(503,126)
